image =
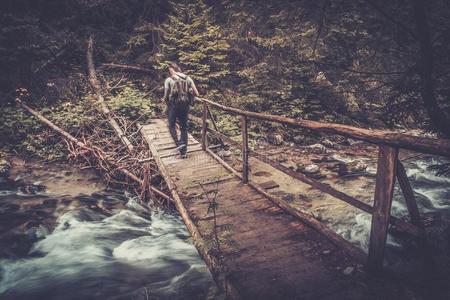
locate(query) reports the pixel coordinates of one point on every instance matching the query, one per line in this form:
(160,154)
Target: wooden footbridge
(256,245)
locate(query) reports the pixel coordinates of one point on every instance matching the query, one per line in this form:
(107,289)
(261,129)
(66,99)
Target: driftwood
(95,83)
(93,150)
(126,67)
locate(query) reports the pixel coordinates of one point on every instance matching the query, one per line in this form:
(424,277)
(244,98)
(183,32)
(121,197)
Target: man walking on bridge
(179,92)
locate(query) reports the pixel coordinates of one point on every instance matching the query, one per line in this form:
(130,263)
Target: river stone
(355,166)
(281,158)
(348,271)
(224,153)
(311,169)
(4,168)
(317,149)
(327,143)
(299,139)
(275,139)
(326,252)
(288,197)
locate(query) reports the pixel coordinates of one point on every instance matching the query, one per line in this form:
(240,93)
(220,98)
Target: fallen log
(95,83)
(126,67)
(82,145)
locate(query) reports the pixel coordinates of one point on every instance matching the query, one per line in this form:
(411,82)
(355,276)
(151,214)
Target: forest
(83,81)
(366,63)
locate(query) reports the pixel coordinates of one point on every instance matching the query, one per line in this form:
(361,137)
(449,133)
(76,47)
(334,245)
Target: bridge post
(384,189)
(204,125)
(408,193)
(244,124)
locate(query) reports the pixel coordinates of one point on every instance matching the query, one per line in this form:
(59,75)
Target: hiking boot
(181,147)
(183,155)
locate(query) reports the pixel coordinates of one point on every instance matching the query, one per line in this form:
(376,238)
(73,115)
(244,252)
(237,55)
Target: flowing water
(58,243)
(432,194)
(64,235)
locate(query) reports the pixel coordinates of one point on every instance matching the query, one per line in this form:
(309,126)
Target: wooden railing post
(384,189)
(204,125)
(244,149)
(408,193)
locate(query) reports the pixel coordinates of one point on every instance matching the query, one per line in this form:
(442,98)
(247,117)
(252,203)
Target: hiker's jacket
(169,83)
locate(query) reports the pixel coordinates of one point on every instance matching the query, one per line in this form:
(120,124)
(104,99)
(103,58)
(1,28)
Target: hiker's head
(173,68)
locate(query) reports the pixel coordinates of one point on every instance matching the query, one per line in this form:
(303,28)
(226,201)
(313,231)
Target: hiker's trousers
(178,113)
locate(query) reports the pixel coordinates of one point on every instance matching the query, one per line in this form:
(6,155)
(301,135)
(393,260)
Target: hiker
(179,92)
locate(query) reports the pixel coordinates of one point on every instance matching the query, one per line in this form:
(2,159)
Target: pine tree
(193,40)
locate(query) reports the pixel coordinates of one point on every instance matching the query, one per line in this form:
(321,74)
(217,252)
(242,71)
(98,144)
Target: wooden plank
(268,185)
(384,189)
(172,152)
(306,217)
(408,193)
(210,260)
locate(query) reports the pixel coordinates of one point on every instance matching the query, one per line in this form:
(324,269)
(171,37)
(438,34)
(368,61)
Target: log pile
(112,146)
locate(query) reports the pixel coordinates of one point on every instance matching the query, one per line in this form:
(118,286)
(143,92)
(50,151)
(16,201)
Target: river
(64,235)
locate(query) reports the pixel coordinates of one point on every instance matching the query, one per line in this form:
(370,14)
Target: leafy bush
(23,133)
(133,104)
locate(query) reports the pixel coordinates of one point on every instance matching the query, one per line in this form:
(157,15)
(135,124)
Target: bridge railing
(389,168)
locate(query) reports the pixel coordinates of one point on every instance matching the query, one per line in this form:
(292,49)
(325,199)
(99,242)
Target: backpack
(181,91)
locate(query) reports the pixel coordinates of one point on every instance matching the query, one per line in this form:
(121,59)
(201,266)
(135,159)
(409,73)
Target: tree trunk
(426,65)
(95,83)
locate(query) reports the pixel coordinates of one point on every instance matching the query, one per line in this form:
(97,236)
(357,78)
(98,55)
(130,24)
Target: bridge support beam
(384,189)
(408,192)
(204,126)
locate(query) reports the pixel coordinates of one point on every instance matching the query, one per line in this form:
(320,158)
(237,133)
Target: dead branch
(103,161)
(95,83)
(126,67)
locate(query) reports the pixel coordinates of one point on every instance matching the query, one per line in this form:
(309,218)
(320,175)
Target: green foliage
(70,116)
(15,126)
(21,132)
(133,104)
(193,40)
(229,124)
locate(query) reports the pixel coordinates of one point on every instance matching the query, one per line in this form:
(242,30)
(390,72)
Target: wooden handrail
(380,137)
(388,142)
